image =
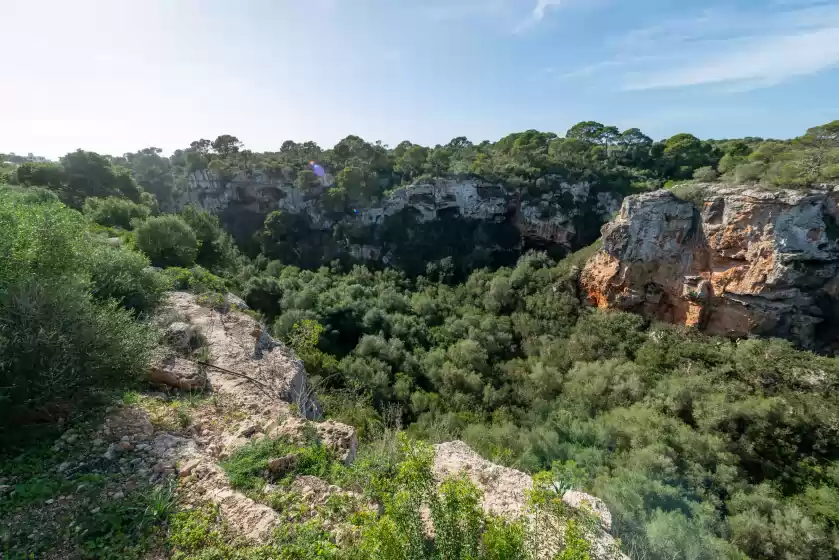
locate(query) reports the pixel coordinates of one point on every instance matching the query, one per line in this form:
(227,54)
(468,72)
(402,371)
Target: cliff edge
(738,261)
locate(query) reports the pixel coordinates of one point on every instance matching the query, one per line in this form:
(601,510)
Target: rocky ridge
(553,219)
(266,404)
(739,261)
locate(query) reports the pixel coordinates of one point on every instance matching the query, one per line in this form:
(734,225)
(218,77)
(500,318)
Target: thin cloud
(538,14)
(760,63)
(731,50)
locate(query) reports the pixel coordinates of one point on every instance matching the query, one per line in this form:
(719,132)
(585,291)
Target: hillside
(374,353)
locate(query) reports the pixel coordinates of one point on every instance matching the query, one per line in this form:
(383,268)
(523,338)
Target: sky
(115,76)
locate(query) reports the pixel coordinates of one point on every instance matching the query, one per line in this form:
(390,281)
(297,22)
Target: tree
(705,174)
(168,241)
(412,161)
(90,174)
(152,172)
(594,132)
(685,152)
(226,145)
(306,179)
(49,175)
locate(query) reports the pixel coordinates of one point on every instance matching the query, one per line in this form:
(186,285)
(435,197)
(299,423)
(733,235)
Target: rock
(233,299)
(125,446)
(549,219)
(187,468)
(180,374)
(505,493)
(581,500)
(339,437)
(282,465)
(743,262)
(111,453)
(63,466)
(5,489)
(248,430)
(180,336)
(279,375)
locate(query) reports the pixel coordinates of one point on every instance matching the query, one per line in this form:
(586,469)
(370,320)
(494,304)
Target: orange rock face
(747,262)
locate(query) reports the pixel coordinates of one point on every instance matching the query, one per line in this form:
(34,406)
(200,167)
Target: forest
(701,447)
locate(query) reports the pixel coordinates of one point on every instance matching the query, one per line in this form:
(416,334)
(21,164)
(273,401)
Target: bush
(217,250)
(705,174)
(196,280)
(168,241)
(749,172)
(126,277)
(114,212)
(57,343)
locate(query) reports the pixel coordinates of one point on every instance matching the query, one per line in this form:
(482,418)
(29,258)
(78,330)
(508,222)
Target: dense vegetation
(697,444)
(701,447)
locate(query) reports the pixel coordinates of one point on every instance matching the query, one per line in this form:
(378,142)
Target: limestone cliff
(741,261)
(503,222)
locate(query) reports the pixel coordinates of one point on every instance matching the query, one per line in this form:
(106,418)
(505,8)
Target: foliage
(115,212)
(168,241)
(126,277)
(216,251)
(196,280)
(57,342)
(667,426)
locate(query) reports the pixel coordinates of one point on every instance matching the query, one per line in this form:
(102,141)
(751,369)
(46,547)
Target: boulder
(339,437)
(583,501)
(180,336)
(280,466)
(179,374)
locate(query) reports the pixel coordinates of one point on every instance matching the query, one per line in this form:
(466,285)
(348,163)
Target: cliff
(429,220)
(741,261)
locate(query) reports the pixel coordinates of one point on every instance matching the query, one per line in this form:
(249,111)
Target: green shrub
(114,212)
(197,280)
(705,174)
(56,343)
(245,467)
(168,241)
(126,276)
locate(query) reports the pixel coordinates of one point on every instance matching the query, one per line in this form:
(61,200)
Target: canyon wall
(482,215)
(734,261)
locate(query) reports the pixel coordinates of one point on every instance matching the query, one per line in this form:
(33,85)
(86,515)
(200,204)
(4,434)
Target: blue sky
(116,75)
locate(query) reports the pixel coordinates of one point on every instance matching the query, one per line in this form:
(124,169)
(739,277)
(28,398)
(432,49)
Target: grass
(246,466)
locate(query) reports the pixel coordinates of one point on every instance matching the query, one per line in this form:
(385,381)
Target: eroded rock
(745,261)
(179,374)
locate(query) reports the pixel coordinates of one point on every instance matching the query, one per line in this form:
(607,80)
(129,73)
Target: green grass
(245,467)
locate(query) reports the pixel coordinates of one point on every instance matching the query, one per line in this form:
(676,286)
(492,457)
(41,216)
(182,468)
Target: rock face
(743,261)
(270,367)
(505,493)
(564,219)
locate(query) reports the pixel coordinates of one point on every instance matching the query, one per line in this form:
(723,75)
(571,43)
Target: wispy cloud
(752,64)
(538,14)
(731,50)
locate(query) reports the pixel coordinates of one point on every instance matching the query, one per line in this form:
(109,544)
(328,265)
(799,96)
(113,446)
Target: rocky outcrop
(565,218)
(240,352)
(741,261)
(505,492)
